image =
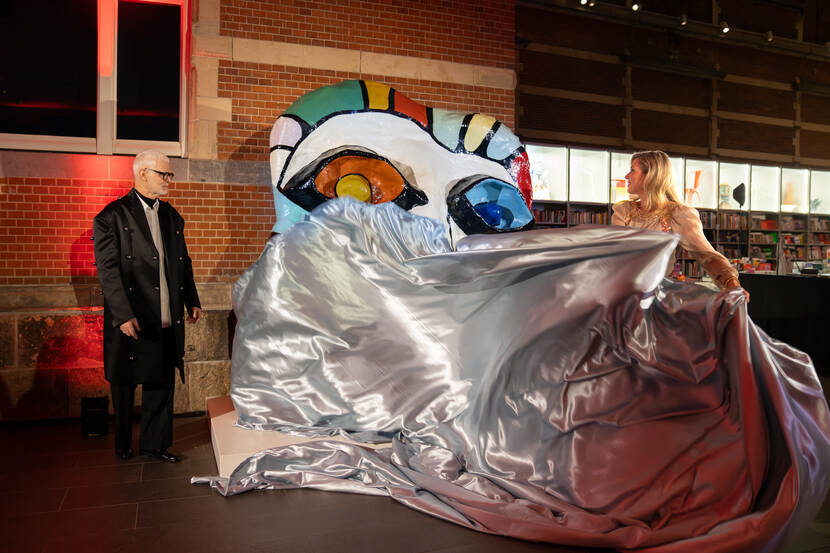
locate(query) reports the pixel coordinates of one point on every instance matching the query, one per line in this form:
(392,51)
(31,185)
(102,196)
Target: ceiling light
(583,2)
(683,20)
(770,36)
(636,6)
(591,3)
(724,27)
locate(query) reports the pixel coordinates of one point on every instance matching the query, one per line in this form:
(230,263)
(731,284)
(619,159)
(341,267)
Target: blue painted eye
(482,204)
(499,204)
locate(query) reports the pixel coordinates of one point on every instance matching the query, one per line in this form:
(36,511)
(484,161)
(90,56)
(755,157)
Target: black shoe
(161,455)
(124,453)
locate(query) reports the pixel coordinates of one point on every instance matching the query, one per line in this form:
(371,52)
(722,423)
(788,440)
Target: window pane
(701,190)
(148,71)
(794,190)
(589,176)
(820,192)
(764,188)
(547,171)
(48,73)
(620,165)
(734,179)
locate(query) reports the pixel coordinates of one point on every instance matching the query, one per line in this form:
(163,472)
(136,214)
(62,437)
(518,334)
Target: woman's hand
(734,283)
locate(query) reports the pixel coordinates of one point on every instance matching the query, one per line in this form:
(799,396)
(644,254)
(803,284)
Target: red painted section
(411,108)
(520,171)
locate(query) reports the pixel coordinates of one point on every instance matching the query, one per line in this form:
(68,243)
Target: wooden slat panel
(559,114)
(758,17)
(572,31)
(669,128)
(656,86)
(815,144)
(815,109)
(744,135)
(756,100)
(547,70)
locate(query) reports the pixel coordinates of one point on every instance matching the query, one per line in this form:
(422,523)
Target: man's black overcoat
(128,269)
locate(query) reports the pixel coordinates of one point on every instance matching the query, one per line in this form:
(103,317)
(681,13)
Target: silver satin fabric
(547,385)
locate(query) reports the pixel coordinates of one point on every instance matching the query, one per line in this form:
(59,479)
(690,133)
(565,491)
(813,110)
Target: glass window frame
(106,142)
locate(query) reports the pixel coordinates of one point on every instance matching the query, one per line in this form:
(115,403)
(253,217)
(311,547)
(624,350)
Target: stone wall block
(8,341)
(207,379)
(60,341)
(181,394)
(32,394)
(85,382)
(208,340)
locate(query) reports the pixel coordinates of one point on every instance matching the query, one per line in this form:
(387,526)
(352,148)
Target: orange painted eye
(352,172)
(385,182)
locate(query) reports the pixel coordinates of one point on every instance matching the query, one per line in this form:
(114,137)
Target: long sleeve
(685,221)
(191,296)
(620,213)
(107,260)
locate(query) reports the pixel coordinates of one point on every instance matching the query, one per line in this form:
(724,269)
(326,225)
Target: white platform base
(232,445)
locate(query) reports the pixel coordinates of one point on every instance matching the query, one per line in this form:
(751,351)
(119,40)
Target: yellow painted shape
(378,95)
(356,186)
(477,130)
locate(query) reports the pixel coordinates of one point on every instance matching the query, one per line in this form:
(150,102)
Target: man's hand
(131,328)
(194,315)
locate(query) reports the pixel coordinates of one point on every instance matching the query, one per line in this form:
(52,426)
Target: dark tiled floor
(60,492)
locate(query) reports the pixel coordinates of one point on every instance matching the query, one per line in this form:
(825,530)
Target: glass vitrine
(733,184)
(678,167)
(700,188)
(764,188)
(548,171)
(794,190)
(620,165)
(588,176)
(820,192)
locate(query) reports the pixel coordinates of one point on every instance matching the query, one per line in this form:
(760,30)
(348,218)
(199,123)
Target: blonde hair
(659,194)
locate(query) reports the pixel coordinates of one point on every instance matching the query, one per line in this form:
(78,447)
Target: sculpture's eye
(362,175)
(484,204)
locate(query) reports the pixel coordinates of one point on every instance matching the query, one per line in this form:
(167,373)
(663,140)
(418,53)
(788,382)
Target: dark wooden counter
(794,309)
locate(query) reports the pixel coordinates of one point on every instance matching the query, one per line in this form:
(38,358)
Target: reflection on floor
(60,492)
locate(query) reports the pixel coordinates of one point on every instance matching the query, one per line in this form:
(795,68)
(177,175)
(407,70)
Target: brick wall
(46,224)
(464,31)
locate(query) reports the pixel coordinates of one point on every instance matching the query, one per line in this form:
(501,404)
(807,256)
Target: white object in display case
(730,177)
(794,188)
(548,172)
(588,176)
(764,188)
(700,190)
(820,192)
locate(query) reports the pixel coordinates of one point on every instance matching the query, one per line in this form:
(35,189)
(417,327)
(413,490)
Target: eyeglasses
(162,174)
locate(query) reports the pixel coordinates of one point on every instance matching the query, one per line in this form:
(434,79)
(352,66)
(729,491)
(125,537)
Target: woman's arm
(685,221)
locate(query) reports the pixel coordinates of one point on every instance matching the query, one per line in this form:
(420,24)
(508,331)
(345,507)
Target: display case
(700,188)
(733,186)
(764,241)
(764,188)
(820,192)
(548,172)
(620,166)
(795,187)
(588,176)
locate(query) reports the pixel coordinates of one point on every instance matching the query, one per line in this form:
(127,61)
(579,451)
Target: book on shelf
(731,220)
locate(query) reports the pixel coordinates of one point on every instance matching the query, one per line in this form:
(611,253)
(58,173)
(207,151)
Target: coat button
(180,258)
(179,322)
(132,358)
(181,287)
(155,288)
(95,263)
(178,232)
(126,228)
(129,257)
(130,289)
(155,258)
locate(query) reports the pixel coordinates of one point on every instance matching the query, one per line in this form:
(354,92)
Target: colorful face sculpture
(366,140)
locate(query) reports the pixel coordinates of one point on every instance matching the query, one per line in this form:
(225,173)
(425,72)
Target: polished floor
(60,492)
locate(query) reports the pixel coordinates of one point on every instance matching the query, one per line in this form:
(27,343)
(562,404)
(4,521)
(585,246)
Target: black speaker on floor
(95,416)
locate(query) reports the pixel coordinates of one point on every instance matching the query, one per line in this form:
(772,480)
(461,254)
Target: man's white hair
(147,158)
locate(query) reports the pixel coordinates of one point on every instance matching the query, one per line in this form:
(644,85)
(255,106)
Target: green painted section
(311,107)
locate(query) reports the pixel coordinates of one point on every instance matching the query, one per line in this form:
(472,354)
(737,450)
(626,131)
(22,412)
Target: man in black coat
(147,280)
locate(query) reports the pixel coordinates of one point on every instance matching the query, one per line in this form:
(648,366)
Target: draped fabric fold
(547,385)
